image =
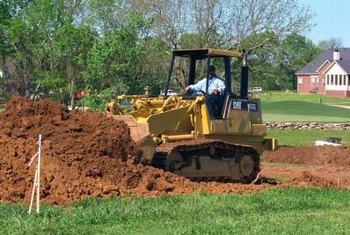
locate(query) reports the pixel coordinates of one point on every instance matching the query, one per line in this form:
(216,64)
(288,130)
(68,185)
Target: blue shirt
(215,83)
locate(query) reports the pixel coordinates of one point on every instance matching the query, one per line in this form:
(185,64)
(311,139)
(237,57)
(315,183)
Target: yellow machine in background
(179,134)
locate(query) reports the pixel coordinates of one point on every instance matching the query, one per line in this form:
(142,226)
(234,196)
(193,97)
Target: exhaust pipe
(244,76)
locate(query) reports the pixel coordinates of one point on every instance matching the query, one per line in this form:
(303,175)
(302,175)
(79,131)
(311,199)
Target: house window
(327,79)
(348,80)
(314,79)
(340,79)
(336,79)
(344,81)
(332,81)
(300,80)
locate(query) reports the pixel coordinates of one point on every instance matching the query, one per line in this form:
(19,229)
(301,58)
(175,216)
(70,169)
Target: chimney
(336,54)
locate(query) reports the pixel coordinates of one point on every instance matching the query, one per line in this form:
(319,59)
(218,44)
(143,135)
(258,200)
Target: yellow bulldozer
(179,133)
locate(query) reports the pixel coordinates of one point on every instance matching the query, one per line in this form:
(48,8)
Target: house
(328,74)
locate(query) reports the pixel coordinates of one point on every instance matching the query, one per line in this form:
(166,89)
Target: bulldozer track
(216,149)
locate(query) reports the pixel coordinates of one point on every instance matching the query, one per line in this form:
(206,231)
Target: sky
(332,19)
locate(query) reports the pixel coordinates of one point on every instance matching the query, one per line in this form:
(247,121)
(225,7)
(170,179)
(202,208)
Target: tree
(10,11)
(49,46)
(64,46)
(297,52)
(332,43)
(253,17)
(172,20)
(72,53)
(258,26)
(114,58)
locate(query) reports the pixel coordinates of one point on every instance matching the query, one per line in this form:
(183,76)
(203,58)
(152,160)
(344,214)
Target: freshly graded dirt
(317,166)
(87,154)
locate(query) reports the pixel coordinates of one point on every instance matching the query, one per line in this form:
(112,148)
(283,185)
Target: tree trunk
(72,95)
(70,74)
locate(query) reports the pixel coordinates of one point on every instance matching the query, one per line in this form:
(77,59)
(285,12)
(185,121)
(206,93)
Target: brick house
(328,74)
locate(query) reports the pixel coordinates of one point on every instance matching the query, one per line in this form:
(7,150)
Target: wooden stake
(33,192)
(36,183)
(38,170)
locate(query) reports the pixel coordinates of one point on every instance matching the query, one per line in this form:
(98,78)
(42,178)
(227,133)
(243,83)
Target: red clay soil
(87,154)
(317,166)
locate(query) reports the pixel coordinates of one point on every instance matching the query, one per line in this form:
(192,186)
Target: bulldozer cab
(189,66)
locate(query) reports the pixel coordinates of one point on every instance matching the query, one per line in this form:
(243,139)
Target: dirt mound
(314,155)
(82,151)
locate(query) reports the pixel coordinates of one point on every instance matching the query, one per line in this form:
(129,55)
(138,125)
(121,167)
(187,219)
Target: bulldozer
(179,133)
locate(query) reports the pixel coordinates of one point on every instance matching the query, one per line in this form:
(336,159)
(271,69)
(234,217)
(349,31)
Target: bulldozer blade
(139,132)
(148,147)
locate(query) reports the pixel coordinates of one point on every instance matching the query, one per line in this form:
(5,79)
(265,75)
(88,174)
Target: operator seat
(215,105)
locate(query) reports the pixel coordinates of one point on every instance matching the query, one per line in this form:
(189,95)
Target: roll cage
(208,54)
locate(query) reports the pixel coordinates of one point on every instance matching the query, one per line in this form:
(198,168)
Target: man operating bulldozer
(215,86)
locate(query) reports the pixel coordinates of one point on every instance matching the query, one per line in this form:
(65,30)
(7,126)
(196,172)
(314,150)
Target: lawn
(293,137)
(286,211)
(304,108)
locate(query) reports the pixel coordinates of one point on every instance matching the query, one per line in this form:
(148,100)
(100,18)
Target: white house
(337,77)
(327,74)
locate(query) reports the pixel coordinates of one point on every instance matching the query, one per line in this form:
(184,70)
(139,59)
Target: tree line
(59,47)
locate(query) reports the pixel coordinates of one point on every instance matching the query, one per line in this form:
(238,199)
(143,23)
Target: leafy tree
(152,69)
(114,58)
(5,17)
(60,47)
(297,52)
(72,53)
(273,66)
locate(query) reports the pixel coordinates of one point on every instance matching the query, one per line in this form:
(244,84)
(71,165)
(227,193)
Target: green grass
(287,211)
(306,137)
(304,108)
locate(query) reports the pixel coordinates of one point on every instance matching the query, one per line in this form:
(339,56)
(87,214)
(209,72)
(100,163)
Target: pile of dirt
(314,155)
(85,154)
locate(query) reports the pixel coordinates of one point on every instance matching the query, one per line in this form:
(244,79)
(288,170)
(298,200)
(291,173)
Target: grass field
(293,137)
(304,108)
(286,211)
